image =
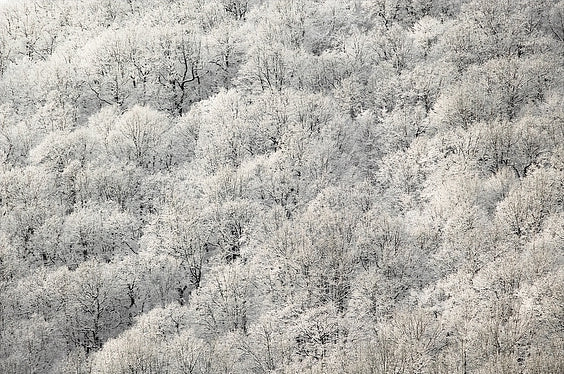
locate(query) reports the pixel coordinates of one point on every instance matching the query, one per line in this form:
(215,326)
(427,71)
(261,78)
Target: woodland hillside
(283,186)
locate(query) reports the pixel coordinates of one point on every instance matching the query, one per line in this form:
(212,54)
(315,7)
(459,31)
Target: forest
(282,186)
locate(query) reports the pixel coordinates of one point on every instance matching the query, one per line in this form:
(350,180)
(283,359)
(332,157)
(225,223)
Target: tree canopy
(251,186)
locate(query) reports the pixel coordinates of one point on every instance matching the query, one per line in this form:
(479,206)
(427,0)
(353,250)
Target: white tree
(140,137)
